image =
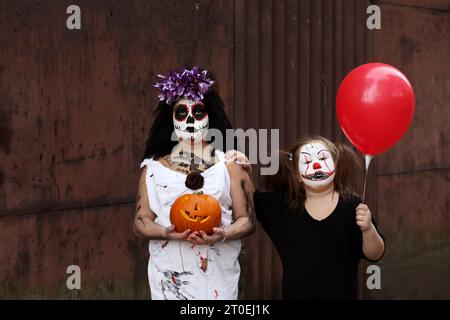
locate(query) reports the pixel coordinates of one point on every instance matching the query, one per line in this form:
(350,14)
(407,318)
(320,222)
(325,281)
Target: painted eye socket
(199,111)
(307,161)
(322,158)
(180,112)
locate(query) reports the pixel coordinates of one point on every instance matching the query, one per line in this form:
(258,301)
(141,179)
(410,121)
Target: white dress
(174,269)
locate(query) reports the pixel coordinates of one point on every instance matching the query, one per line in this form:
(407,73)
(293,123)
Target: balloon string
(365,182)
(367,160)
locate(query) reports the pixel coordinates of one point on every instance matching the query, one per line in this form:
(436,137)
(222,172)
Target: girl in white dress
(191,264)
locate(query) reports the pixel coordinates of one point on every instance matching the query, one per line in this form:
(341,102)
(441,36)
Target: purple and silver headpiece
(190,84)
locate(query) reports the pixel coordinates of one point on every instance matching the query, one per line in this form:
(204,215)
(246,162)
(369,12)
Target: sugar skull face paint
(190,120)
(316,165)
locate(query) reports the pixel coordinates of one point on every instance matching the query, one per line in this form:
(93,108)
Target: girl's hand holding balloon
(363,217)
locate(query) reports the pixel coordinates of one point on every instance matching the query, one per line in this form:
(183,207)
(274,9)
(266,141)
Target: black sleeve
(357,233)
(270,210)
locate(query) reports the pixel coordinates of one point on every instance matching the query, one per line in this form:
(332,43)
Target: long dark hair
(159,141)
(347,180)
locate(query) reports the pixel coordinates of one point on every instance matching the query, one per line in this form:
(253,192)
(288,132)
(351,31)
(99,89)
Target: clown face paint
(190,120)
(316,166)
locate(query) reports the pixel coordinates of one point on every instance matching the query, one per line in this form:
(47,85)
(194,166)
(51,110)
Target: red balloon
(375,107)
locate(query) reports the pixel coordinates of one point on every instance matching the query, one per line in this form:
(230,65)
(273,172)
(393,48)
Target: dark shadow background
(76,106)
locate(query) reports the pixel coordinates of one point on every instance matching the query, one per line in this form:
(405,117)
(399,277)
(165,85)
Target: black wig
(159,141)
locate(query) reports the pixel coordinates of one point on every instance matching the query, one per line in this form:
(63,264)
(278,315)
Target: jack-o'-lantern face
(195,212)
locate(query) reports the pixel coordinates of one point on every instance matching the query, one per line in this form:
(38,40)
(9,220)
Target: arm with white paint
(144,225)
(237,157)
(242,190)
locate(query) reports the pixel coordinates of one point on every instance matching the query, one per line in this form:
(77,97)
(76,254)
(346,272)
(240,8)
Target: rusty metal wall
(75,109)
(413,178)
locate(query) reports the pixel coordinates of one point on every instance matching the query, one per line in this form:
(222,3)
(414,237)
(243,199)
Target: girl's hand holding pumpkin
(171,234)
(200,237)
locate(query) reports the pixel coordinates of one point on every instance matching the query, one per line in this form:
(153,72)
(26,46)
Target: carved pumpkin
(195,212)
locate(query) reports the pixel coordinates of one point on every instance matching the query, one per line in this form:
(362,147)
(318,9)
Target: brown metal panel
(348,36)
(360,32)
(404,212)
(240,95)
(265,107)
(99,240)
(315,116)
(412,178)
(327,71)
(253,69)
(291,65)
(416,229)
(436,5)
(252,75)
(76,107)
(279,72)
(369,37)
(239,64)
(194,33)
(304,62)
(420,51)
(339,52)
(266,56)
(278,111)
(54,122)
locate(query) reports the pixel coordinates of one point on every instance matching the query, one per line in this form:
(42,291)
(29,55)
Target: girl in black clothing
(317,221)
